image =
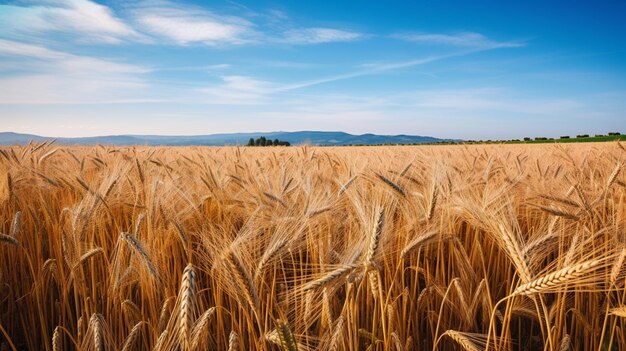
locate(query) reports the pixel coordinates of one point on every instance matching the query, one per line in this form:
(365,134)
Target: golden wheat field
(307,248)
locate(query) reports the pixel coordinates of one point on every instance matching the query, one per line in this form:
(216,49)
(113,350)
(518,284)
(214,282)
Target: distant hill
(295,138)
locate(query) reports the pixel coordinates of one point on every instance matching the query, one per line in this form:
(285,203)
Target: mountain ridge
(324,138)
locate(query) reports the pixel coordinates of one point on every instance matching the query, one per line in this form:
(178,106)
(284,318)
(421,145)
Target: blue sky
(458,69)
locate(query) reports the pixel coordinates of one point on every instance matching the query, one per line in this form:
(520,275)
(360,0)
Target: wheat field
(492,247)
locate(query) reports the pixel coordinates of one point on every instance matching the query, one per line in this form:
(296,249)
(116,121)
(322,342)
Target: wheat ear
(617,266)
(233,341)
(132,337)
(375,239)
(417,242)
(287,340)
(559,213)
(392,184)
(433,203)
(244,280)
(334,341)
(15,228)
(138,248)
(161,340)
(619,311)
(331,276)
(553,280)
(7,239)
(613,175)
(56,339)
(201,326)
(462,339)
(95,324)
(396,341)
(187,299)
(566,343)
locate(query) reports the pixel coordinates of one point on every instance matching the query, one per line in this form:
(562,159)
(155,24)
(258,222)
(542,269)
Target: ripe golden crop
(498,247)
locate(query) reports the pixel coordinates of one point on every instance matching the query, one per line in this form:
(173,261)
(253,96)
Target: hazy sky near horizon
(456,69)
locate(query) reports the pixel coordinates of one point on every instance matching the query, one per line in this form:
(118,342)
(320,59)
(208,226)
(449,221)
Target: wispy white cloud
(156,22)
(188,24)
(82,19)
(51,76)
(62,62)
(464,39)
(14,48)
(319,36)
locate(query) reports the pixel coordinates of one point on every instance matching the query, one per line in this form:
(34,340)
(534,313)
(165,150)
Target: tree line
(263,141)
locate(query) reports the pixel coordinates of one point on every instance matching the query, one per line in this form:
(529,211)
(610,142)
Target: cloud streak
(464,39)
(319,36)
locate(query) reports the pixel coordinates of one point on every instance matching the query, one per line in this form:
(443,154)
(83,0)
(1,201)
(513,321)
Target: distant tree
(526,139)
(263,141)
(565,137)
(582,136)
(614,133)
